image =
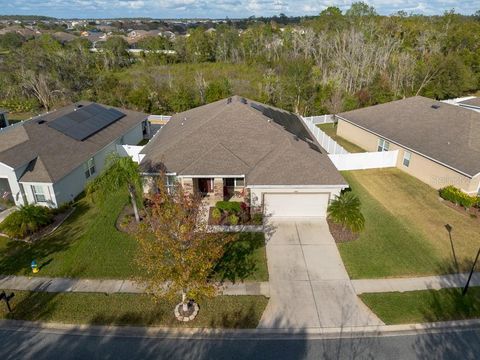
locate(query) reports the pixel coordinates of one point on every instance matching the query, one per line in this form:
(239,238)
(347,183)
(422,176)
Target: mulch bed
(224,219)
(341,234)
(473,212)
(126,220)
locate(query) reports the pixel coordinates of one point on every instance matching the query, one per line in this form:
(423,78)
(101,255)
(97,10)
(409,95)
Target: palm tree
(26,220)
(345,210)
(120,172)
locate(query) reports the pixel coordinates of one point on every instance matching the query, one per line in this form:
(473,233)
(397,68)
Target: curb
(240,334)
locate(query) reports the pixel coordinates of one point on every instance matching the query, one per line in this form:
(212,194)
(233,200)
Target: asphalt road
(59,344)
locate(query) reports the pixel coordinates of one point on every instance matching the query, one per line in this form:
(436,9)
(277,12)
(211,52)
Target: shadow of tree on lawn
(16,257)
(239,261)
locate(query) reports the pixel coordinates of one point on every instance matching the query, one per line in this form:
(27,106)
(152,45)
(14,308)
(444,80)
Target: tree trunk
(184,301)
(133,199)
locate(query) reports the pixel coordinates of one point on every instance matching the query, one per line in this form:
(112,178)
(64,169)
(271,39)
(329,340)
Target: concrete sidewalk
(416,283)
(56,285)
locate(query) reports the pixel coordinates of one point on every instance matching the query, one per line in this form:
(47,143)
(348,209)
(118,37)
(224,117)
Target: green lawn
(88,245)
(405,228)
(331,130)
(424,306)
(132,309)
(245,259)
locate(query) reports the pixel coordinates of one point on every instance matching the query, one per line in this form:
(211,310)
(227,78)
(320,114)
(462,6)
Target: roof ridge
(235,155)
(210,149)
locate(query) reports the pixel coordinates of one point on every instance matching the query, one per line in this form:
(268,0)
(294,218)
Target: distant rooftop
(475,102)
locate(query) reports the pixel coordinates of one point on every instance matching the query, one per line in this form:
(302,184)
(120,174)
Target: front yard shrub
(257,218)
(228,206)
(216,214)
(26,220)
(345,210)
(233,219)
(457,196)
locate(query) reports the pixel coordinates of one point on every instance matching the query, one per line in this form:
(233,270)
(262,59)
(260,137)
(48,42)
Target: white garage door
(296,205)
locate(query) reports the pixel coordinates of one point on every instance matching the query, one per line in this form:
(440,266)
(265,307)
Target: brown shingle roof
(234,138)
(50,154)
(446,133)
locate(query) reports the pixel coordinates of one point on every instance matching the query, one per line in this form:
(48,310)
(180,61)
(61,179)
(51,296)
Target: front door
(205,185)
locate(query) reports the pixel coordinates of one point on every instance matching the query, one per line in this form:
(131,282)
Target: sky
(217,8)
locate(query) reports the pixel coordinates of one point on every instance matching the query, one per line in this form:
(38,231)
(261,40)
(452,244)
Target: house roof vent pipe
(243,100)
(229,100)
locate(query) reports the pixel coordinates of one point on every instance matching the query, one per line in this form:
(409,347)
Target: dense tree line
(325,64)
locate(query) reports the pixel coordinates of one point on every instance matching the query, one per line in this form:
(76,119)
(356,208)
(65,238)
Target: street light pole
(471,273)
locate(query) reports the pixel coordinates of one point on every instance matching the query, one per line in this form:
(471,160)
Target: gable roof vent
(436,106)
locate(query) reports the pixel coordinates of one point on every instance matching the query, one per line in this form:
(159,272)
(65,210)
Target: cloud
(218,8)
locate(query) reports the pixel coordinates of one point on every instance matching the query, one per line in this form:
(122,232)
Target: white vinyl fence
(323,139)
(320,119)
(159,117)
(341,158)
(366,160)
(132,151)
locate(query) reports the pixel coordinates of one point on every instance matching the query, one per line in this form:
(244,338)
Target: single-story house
(48,160)
(243,150)
(438,143)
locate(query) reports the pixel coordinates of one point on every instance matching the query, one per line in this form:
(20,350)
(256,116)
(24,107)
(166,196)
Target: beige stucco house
(241,149)
(438,143)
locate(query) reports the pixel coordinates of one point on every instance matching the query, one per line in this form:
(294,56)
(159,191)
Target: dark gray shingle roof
(50,154)
(268,145)
(448,134)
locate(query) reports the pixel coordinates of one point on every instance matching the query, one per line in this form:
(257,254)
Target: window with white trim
(407,155)
(383,145)
(89,168)
(239,182)
(38,194)
(171,181)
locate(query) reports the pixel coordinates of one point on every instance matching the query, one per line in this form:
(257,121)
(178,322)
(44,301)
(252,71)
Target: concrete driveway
(309,286)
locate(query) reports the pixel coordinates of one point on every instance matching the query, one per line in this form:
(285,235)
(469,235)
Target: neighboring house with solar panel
(49,159)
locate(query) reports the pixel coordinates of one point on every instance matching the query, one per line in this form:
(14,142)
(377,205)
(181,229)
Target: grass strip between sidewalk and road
(424,306)
(131,309)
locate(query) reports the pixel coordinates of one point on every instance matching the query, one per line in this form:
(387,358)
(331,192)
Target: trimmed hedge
(229,206)
(457,196)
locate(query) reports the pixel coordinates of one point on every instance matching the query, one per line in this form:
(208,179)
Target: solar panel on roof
(289,121)
(85,122)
